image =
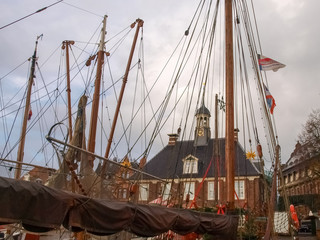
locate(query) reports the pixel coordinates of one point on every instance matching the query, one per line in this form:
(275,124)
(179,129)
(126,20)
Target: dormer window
(190,165)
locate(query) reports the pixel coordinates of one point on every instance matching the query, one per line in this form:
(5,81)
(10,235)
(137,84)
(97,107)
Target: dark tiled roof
(203,110)
(168,162)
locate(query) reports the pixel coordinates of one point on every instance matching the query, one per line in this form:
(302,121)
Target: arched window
(190,164)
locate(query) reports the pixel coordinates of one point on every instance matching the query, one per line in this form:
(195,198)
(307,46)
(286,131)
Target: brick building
(301,178)
(183,164)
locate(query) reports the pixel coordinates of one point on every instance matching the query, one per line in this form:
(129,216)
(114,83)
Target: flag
(267,64)
(270,100)
(29,114)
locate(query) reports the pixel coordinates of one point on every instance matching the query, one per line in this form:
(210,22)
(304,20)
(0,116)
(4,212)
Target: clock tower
(202,131)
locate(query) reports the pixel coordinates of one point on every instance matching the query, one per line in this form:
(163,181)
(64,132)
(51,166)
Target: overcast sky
(289,33)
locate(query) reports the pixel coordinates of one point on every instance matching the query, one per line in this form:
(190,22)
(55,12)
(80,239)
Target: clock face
(200,132)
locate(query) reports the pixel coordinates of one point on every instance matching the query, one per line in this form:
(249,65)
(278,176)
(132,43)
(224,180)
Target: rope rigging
(195,79)
(38,11)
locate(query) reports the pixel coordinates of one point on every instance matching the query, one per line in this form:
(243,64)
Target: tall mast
(66,46)
(216,153)
(95,101)
(270,229)
(26,113)
(229,147)
(125,78)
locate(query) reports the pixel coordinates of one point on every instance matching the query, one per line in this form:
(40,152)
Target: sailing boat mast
(125,78)
(95,101)
(66,46)
(229,147)
(216,153)
(26,113)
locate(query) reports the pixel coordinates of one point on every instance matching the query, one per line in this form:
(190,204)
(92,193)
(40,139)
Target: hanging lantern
(259,150)
(142,162)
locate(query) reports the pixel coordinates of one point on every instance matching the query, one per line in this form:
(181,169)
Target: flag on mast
(270,100)
(29,114)
(267,64)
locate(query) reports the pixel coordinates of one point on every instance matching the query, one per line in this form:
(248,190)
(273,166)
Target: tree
(310,137)
(310,134)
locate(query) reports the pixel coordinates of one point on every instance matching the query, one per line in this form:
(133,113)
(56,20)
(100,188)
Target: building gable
(168,163)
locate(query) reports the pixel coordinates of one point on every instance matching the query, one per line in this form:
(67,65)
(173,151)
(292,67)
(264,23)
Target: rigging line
(166,64)
(244,106)
(31,125)
(116,45)
(79,69)
(54,51)
(44,84)
(27,60)
(169,91)
(40,10)
(133,104)
(165,102)
(126,28)
(12,127)
(245,81)
(203,44)
(38,105)
(83,9)
(101,120)
(127,138)
(178,74)
(258,73)
(124,134)
(43,119)
(143,85)
(270,125)
(175,69)
(194,15)
(256,25)
(116,98)
(187,114)
(210,47)
(38,89)
(11,99)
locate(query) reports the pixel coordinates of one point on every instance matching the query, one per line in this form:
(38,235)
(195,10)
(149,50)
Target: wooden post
(229,147)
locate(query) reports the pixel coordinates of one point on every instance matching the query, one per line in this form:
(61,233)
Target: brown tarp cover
(40,209)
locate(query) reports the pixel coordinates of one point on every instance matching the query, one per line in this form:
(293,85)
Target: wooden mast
(270,223)
(125,78)
(216,154)
(95,101)
(66,46)
(229,146)
(26,113)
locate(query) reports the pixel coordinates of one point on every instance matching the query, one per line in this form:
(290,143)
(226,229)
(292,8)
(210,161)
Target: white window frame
(190,165)
(124,193)
(189,187)
(239,187)
(211,191)
(143,192)
(165,191)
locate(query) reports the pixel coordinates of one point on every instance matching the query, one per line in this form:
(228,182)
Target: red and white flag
(267,64)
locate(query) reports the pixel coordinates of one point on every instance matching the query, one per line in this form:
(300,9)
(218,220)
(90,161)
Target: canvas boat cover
(39,209)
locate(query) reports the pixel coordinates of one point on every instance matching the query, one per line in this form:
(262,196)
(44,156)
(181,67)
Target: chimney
(173,139)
